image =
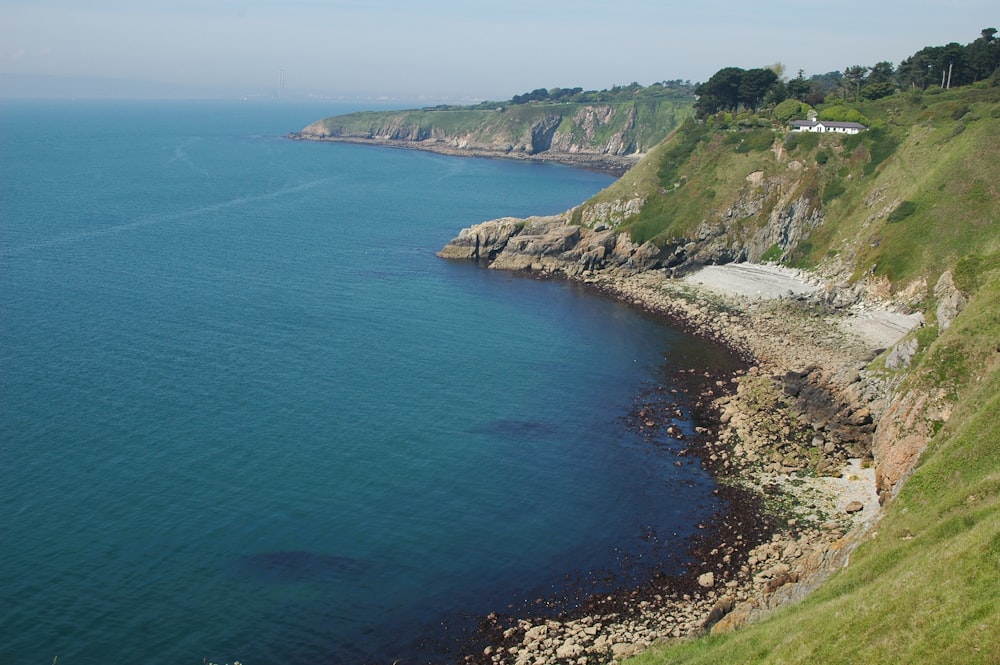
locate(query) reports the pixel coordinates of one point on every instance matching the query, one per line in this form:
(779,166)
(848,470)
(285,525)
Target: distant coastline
(613,165)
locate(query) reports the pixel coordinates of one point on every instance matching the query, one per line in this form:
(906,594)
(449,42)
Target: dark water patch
(520,429)
(297,566)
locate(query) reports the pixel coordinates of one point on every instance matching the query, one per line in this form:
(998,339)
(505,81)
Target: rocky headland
(804,440)
(606,137)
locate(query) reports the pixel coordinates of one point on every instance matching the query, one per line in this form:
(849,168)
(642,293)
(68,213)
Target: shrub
(833,189)
(881,145)
(822,157)
(773,253)
(808,140)
(842,114)
(902,211)
(757,140)
(790,108)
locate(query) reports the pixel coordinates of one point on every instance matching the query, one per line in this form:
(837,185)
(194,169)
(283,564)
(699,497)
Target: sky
(460,50)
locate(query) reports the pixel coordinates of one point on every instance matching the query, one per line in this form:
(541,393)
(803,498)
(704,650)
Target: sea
(246,414)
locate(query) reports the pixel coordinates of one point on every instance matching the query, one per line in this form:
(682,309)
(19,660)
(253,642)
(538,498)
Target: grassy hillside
(903,201)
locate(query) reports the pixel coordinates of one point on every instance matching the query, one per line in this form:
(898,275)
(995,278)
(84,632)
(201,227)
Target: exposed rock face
(542,132)
(789,219)
(594,245)
(951,301)
(903,433)
(551,245)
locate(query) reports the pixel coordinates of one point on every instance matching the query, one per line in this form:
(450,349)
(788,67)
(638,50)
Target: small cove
(249,415)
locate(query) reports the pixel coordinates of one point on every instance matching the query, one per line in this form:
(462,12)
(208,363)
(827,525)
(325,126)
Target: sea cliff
(608,136)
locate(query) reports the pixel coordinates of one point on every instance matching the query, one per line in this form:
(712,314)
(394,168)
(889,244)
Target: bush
(790,108)
(833,189)
(757,140)
(822,157)
(808,140)
(902,211)
(773,253)
(881,145)
(842,114)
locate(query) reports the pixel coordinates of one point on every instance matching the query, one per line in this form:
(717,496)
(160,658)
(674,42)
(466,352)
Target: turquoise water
(248,415)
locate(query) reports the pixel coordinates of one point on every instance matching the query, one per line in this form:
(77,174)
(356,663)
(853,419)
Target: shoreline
(799,495)
(612,165)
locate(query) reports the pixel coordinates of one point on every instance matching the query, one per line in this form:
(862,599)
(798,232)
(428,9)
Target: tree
(798,87)
(880,82)
(921,69)
(984,54)
(754,85)
(855,76)
(720,92)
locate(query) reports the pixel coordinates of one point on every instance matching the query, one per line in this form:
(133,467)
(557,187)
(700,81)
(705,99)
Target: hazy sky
(463,48)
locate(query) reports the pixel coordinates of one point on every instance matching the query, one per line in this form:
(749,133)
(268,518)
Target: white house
(823,126)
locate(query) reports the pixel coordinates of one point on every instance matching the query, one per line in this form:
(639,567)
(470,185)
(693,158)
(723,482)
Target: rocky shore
(607,163)
(789,437)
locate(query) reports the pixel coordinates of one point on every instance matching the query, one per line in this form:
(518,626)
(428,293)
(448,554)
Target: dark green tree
(721,91)
(754,85)
(798,87)
(880,82)
(920,70)
(984,54)
(854,78)
(955,67)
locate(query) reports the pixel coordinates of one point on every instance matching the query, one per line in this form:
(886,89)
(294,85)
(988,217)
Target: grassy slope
(939,152)
(926,587)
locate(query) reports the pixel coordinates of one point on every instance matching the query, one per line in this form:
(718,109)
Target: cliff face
(766,213)
(607,137)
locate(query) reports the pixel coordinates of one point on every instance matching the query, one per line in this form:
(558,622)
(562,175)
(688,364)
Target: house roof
(827,123)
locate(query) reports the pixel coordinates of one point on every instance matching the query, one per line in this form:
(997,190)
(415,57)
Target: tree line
(616,93)
(733,88)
